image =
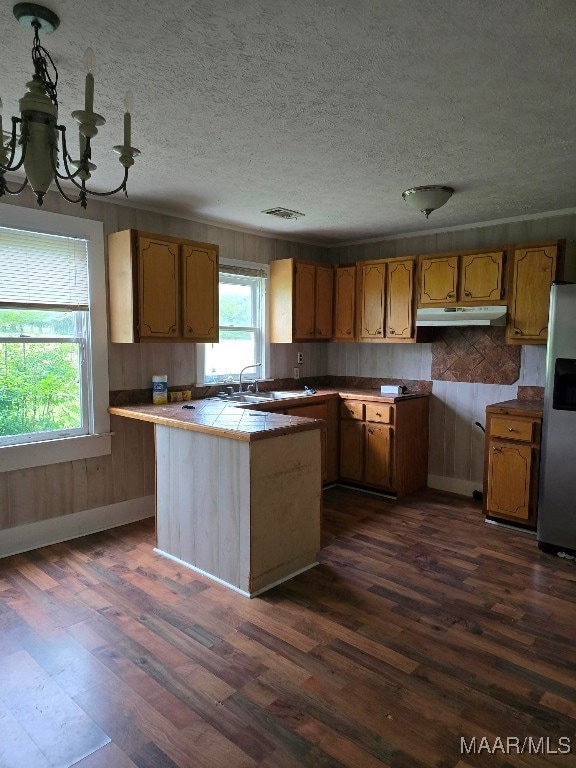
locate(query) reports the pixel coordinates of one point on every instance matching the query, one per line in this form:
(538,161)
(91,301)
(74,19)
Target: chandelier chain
(40,59)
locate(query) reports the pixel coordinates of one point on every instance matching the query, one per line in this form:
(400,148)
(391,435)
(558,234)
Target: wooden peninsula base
(246,513)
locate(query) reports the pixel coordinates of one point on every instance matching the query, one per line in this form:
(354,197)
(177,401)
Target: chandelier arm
(65,196)
(12,144)
(5,189)
(120,188)
(70,176)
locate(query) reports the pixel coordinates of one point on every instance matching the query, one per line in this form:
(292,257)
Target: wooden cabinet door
(534,270)
(400,300)
(372,301)
(344,303)
(324,300)
(304,301)
(352,450)
(378,462)
(200,293)
(158,288)
(482,277)
(438,281)
(509,476)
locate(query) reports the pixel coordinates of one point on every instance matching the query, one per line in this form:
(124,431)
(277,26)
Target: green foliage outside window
(39,381)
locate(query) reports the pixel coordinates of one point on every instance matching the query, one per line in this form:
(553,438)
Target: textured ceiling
(330,108)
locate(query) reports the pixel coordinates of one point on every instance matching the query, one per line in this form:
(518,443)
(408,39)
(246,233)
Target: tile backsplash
(477,355)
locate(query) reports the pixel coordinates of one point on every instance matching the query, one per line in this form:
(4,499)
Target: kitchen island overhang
(238,492)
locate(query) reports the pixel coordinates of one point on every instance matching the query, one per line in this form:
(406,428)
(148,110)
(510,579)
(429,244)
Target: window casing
(53,328)
(242,329)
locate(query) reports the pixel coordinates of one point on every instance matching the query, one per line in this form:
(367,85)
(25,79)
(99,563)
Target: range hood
(445,316)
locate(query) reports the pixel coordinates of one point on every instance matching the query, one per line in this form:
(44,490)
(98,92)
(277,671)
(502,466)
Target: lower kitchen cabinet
(352,450)
(512,462)
(385,445)
(378,460)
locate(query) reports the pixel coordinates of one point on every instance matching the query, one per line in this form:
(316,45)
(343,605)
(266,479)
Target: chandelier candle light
(36,130)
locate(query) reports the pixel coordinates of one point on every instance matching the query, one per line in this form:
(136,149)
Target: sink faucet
(256,365)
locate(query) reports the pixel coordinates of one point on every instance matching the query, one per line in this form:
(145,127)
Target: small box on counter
(392,389)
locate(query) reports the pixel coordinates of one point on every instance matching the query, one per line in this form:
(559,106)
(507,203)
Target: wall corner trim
(23,538)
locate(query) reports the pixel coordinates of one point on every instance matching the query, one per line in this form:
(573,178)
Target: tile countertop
(241,421)
(518,407)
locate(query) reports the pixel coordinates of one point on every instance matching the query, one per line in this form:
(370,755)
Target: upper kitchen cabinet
(438,281)
(300,301)
(400,300)
(162,288)
(482,277)
(462,279)
(344,303)
(386,300)
(200,305)
(323,303)
(372,304)
(534,269)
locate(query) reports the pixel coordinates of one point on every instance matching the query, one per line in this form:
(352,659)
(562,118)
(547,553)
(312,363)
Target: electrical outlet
(300,357)
(296,373)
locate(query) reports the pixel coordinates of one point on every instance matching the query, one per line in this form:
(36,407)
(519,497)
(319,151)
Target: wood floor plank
(421,625)
(60,729)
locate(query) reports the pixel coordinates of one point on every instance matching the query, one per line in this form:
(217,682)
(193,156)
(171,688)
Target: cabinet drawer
(510,428)
(350,409)
(380,413)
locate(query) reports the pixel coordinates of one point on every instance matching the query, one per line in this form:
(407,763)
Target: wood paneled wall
(41,493)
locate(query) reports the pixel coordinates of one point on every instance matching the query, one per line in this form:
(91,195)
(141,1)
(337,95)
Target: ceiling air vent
(283,213)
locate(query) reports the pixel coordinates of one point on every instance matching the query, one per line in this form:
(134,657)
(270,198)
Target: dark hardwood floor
(421,626)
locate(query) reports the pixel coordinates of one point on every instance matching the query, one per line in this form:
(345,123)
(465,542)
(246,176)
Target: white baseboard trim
(453,485)
(45,532)
(240,591)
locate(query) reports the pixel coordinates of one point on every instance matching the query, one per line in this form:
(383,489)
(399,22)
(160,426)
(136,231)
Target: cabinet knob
(511,429)
(468,294)
(391,330)
(378,413)
(451,295)
(517,332)
(496,450)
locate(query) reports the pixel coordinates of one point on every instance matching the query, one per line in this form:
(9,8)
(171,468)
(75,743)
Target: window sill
(45,452)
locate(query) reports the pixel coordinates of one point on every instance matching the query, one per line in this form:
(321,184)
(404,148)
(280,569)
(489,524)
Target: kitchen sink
(263,397)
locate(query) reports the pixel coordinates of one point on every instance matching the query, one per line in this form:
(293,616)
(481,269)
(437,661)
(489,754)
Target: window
(53,346)
(242,328)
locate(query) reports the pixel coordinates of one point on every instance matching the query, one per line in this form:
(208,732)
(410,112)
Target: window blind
(40,270)
(243,271)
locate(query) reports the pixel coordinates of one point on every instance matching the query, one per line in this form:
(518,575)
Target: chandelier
(36,131)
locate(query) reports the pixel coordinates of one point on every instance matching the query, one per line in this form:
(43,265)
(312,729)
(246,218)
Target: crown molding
(456,228)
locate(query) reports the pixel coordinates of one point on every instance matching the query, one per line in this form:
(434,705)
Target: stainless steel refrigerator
(557,496)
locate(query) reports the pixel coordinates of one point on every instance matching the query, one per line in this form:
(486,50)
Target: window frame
(49,449)
(263,327)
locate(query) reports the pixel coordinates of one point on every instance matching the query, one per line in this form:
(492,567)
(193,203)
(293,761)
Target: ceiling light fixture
(427,199)
(37,138)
